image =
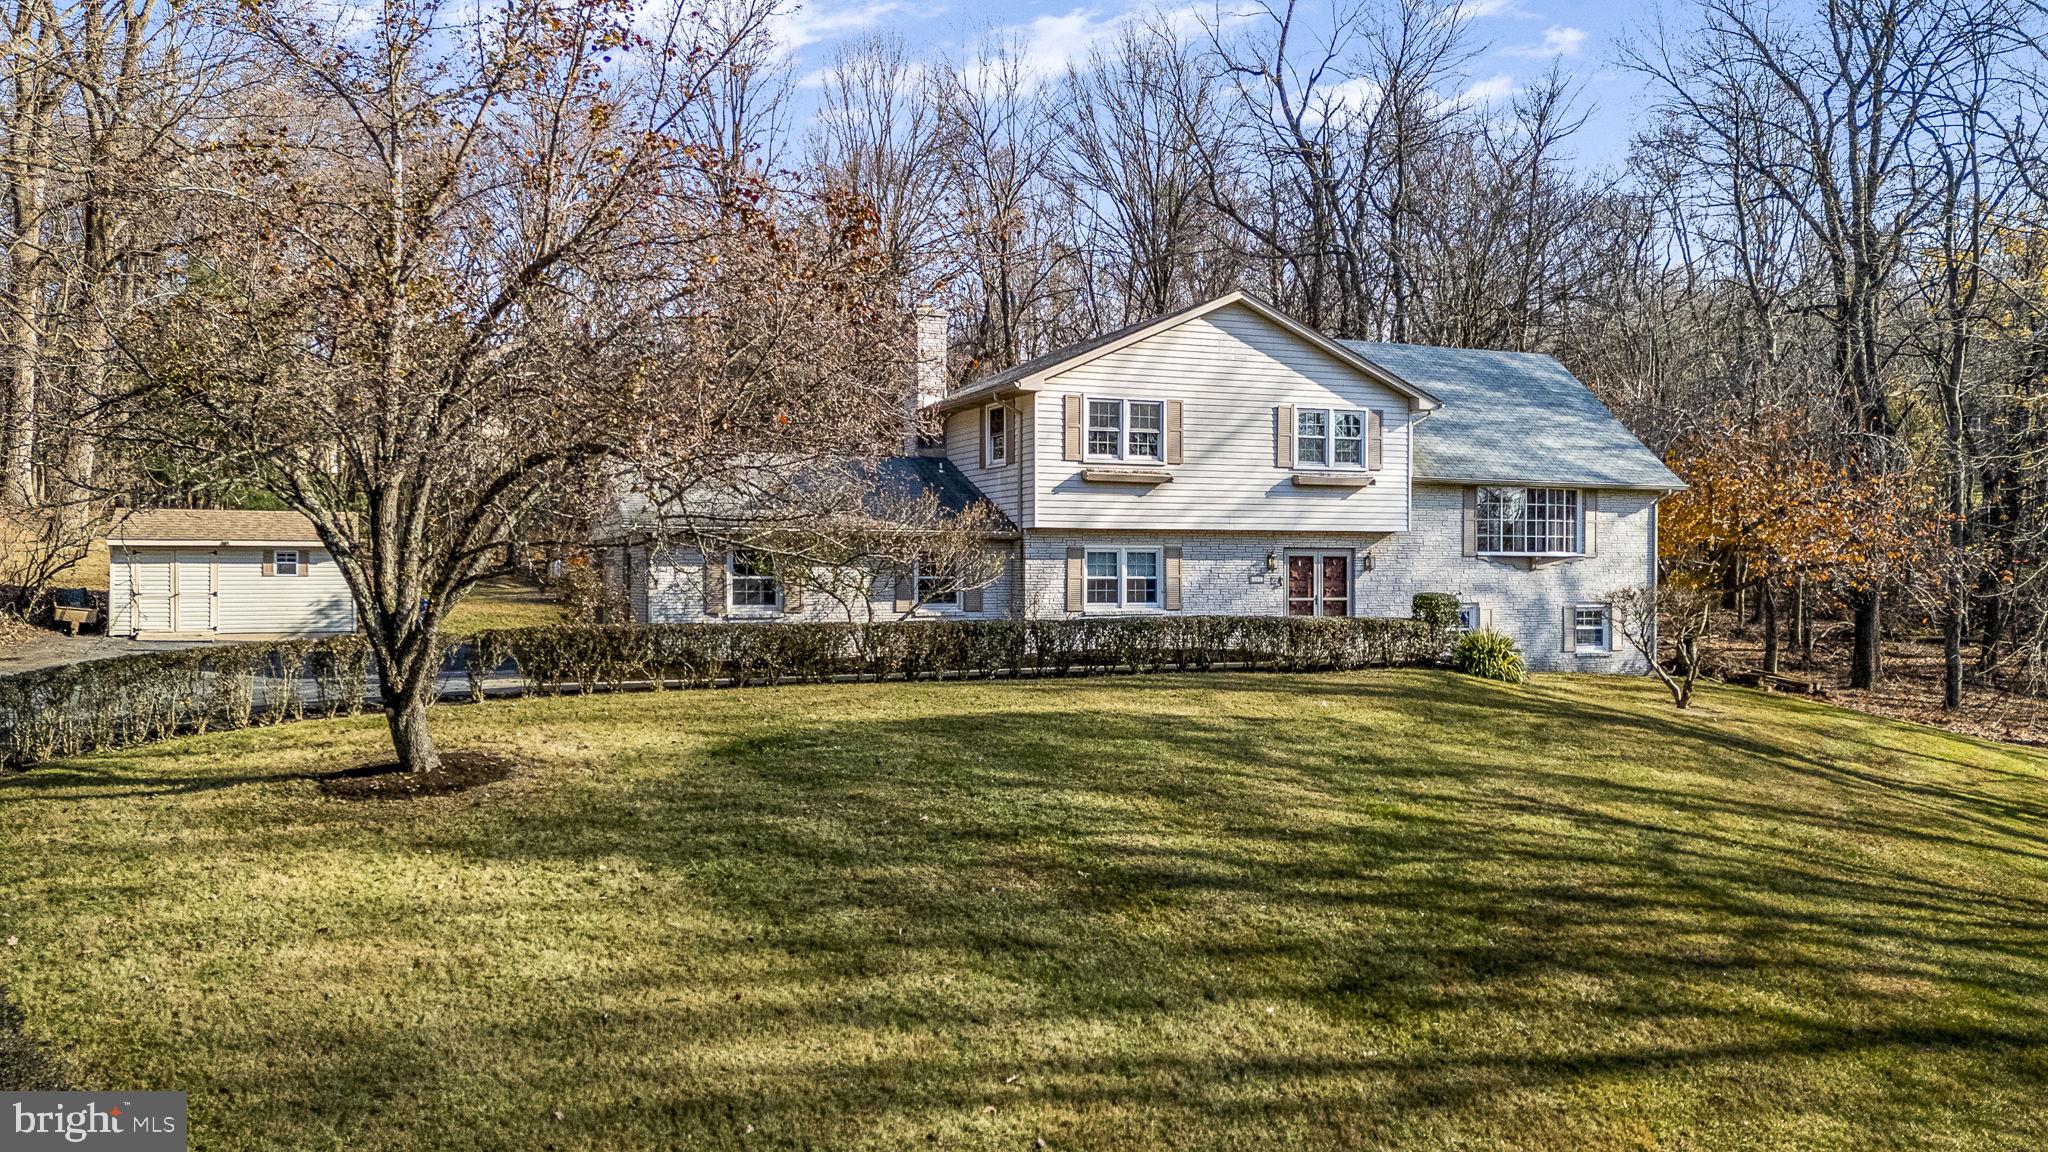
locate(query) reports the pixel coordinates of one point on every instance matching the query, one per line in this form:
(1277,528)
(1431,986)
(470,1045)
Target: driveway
(47,649)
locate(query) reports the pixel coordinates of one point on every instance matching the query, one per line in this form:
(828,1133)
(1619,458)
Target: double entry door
(1318,583)
(173,590)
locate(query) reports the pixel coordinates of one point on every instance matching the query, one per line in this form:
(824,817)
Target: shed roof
(211,526)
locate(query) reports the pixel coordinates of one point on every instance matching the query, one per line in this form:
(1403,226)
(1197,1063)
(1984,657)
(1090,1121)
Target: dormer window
(1126,430)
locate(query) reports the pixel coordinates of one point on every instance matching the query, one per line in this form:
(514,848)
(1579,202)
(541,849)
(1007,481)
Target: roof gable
(1031,373)
(1517,417)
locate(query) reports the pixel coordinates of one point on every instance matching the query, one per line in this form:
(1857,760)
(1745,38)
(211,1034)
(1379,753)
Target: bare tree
(465,275)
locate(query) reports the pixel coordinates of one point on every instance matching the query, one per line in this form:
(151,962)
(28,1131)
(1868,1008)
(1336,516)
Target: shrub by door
(1319,583)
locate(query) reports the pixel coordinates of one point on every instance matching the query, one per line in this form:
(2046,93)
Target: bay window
(1528,521)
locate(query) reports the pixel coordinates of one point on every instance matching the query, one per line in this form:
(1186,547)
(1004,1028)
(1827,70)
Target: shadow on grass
(1357,904)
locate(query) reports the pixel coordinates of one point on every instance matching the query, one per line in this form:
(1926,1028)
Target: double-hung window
(751,582)
(1589,628)
(1469,618)
(285,562)
(1528,521)
(1329,438)
(1126,430)
(998,432)
(937,586)
(1121,578)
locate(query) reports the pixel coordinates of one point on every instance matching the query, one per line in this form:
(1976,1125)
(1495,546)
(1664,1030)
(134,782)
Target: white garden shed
(204,574)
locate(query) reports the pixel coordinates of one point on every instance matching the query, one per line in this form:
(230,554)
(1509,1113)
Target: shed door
(148,590)
(196,592)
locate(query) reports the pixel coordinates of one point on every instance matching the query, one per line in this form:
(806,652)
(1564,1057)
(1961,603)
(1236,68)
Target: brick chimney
(928,382)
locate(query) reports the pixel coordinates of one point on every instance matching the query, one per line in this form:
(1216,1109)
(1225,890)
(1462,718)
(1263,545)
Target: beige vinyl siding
(1230,369)
(255,604)
(164,590)
(964,432)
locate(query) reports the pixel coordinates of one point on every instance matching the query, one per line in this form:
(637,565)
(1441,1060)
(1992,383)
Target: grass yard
(1399,910)
(503,603)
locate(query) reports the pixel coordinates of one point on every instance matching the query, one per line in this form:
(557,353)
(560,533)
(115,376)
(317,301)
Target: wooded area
(427,272)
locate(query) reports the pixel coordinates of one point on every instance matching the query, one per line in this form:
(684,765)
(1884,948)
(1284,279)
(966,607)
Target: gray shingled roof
(886,482)
(1516,417)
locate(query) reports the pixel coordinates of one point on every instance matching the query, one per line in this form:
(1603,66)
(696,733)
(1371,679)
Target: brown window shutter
(1009,435)
(1172,565)
(970,600)
(1471,521)
(1571,628)
(981,422)
(305,561)
(792,598)
(906,592)
(1283,443)
(714,584)
(1486,619)
(1374,421)
(1077,584)
(1589,517)
(1074,430)
(1173,441)
(270,561)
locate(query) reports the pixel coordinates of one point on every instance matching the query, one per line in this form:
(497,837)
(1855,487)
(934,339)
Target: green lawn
(1234,911)
(506,602)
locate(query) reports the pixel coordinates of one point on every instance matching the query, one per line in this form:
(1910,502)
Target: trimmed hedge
(151,696)
(592,657)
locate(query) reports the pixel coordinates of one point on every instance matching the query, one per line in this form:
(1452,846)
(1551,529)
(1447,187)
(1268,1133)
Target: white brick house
(1226,460)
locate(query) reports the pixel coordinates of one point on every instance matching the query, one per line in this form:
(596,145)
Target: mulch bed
(460,771)
(24,1065)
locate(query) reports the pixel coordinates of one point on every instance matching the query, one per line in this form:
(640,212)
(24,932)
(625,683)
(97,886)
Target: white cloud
(1557,41)
(1481,9)
(1049,44)
(1491,90)
(807,24)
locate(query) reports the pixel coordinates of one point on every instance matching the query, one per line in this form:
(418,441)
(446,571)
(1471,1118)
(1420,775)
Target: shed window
(286,562)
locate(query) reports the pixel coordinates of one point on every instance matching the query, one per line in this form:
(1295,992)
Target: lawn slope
(1402,910)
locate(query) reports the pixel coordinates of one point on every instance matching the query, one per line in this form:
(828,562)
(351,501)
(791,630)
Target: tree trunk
(1768,598)
(1866,651)
(410,738)
(1952,658)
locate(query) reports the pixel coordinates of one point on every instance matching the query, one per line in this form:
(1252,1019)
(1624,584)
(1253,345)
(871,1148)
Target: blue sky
(1522,38)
